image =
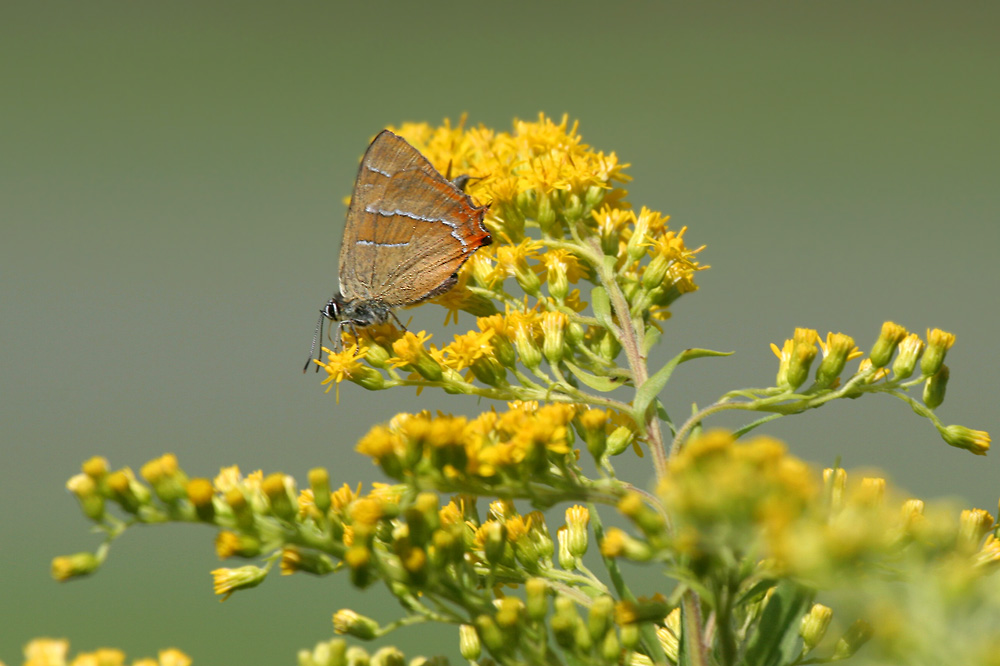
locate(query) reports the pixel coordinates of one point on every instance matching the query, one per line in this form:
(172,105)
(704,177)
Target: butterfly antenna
(312,348)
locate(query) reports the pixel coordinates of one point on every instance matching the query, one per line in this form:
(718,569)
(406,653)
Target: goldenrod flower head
(838,349)
(795,357)
(814,625)
(577,519)
(66,567)
(974,441)
(468,642)
(99,657)
(989,554)
(173,657)
(228,581)
(46,652)
(553,339)
(347,364)
(731,495)
(465,349)
(409,348)
(341,498)
(938,344)
(974,525)
(910,350)
(230,544)
(346,621)
(892,334)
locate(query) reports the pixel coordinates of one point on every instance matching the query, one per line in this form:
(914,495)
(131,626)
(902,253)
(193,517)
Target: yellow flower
(227,581)
(342,365)
(342,497)
(46,652)
(466,348)
(409,348)
(174,657)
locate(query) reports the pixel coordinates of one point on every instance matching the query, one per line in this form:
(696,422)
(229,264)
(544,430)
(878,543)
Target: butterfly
(408,231)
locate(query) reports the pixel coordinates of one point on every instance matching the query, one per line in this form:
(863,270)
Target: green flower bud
(490,634)
(835,354)
(892,334)
(938,344)
(566,559)
(319,482)
(66,567)
(280,490)
(489,371)
(388,656)
(814,625)
(910,350)
(934,387)
(357,656)
(536,592)
(975,441)
(601,613)
(468,642)
(619,440)
(346,621)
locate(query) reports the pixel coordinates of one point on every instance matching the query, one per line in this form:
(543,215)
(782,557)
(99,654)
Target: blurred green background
(171,184)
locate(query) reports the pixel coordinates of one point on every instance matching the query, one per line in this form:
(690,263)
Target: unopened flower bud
(527,348)
(201,494)
(881,353)
(975,441)
(490,634)
(227,581)
(388,656)
(468,642)
(835,480)
(835,355)
(85,489)
(938,344)
(489,371)
(619,440)
(553,341)
(319,482)
(592,423)
(648,520)
(357,656)
(577,519)
(536,593)
(566,559)
(973,524)
(935,386)
(601,613)
(66,567)
(280,490)
(814,625)
(496,541)
(346,621)
(910,350)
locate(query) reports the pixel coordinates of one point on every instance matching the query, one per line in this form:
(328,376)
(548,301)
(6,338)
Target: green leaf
(775,640)
(651,338)
(601,305)
(651,388)
(595,382)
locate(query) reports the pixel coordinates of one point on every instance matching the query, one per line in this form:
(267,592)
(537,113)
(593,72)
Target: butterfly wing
(408,228)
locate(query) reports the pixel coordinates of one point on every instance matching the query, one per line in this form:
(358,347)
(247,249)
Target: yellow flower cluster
(510,447)
(53,652)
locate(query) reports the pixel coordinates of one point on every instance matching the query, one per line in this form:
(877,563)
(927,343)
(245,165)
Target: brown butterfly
(409,229)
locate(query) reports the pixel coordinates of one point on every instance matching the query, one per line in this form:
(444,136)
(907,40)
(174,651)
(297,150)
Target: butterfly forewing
(408,228)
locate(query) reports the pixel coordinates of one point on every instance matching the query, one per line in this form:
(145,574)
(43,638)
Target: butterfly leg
(401,324)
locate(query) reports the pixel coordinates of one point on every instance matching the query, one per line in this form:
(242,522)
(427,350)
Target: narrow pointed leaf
(652,386)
